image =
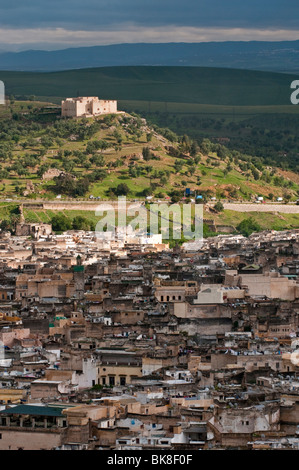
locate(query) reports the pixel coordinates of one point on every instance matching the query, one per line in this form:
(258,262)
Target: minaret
(22,218)
(79,280)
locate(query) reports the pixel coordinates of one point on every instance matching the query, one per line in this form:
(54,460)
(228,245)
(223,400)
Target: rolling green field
(235,112)
(203,85)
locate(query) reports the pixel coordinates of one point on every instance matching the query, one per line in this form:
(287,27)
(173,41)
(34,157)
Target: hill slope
(104,152)
(122,155)
(278,56)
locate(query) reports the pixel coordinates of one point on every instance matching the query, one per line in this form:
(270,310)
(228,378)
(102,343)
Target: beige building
(45,285)
(235,427)
(50,427)
(174,291)
(270,284)
(87,106)
(118,367)
(34,229)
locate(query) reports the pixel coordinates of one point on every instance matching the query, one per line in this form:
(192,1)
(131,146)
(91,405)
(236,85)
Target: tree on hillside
(60,223)
(121,190)
(248,226)
(146,153)
(194,149)
(98,175)
(68,185)
(219,207)
(178,165)
(255,173)
(80,223)
(147,192)
(149,136)
(98,160)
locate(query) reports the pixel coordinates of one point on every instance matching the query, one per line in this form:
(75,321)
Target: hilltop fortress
(87,106)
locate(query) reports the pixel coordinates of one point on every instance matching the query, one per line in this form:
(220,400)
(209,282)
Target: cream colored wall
(13,440)
(270,286)
(119,371)
(210,294)
(77,107)
(8,337)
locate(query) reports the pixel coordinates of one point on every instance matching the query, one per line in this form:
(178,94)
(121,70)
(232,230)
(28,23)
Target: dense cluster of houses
(132,345)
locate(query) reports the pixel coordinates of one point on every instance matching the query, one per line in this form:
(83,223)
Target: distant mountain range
(282,56)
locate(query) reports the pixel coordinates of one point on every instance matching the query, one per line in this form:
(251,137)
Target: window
(122,380)
(112,381)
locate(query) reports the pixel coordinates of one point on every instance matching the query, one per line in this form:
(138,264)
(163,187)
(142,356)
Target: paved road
(248,207)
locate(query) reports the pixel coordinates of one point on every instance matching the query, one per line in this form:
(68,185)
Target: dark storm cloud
(95,14)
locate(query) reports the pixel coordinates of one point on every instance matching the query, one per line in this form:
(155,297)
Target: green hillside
(98,154)
(122,154)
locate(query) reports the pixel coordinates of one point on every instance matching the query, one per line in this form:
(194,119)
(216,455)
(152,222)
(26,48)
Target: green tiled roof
(78,269)
(33,410)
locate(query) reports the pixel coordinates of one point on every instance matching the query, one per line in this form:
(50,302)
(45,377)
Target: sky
(58,24)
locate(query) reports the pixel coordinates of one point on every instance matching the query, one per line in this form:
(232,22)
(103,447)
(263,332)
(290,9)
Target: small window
(122,380)
(112,381)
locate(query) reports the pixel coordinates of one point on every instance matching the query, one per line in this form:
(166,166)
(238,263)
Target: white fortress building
(87,106)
